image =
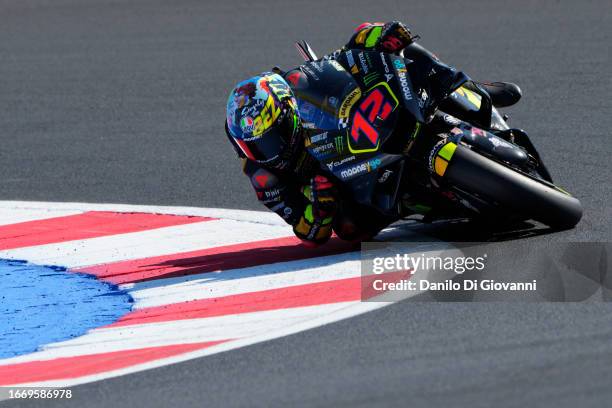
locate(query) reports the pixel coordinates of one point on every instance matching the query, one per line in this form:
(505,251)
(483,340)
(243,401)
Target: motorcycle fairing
(415,100)
(366,105)
(484,141)
(359,173)
(353,115)
(372,67)
(322,89)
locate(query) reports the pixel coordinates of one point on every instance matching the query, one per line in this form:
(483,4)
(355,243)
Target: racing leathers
(300,193)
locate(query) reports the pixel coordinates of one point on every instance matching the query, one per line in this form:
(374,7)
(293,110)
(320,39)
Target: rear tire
(512,191)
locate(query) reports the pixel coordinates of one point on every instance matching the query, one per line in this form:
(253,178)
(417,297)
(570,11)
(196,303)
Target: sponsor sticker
(272,193)
(362,61)
(402,76)
(338,163)
(388,74)
(352,171)
(361,168)
(258,125)
(456,131)
(433,154)
(350,59)
(253,108)
(348,103)
(423,99)
(323,148)
(317,65)
(310,72)
(369,78)
(385,176)
(451,120)
(343,123)
(246,124)
(384,62)
(318,138)
(339,144)
(498,142)
(336,65)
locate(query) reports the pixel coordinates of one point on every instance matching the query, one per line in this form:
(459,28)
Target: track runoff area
(95,291)
(195,282)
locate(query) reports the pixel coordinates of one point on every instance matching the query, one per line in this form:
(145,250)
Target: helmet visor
(272,143)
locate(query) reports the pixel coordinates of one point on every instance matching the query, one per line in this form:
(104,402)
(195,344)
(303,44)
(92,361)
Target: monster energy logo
(339,141)
(369,78)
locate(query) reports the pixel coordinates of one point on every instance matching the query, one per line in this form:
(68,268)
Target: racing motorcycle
(399,142)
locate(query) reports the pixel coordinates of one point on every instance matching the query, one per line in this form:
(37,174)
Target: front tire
(511,191)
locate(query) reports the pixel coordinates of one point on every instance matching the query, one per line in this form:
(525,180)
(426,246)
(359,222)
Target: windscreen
(323,94)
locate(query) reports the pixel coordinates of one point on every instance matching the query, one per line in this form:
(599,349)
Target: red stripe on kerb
(90,224)
(80,366)
(214,259)
(311,294)
(341,290)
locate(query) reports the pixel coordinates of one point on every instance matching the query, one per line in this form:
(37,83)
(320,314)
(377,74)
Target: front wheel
(510,191)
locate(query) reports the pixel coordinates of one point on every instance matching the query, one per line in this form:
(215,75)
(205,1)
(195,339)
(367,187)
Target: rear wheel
(511,191)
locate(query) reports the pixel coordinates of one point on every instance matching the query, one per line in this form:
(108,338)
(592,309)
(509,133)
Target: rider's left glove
(315,224)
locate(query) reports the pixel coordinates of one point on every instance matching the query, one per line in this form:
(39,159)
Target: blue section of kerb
(42,304)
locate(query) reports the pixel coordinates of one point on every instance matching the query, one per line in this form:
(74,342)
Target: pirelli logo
(348,103)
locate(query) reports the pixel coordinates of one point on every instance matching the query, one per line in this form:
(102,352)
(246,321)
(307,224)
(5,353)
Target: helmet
(263,120)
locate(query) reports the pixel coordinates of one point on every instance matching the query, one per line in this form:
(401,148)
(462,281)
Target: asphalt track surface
(123,101)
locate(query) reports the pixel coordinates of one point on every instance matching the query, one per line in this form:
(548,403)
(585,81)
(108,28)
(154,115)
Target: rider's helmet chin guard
(263,120)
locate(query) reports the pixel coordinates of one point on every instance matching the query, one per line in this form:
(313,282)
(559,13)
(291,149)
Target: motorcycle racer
(265,127)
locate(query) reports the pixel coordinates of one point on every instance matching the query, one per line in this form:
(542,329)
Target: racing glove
(391,37)
(315,224)
(395,36)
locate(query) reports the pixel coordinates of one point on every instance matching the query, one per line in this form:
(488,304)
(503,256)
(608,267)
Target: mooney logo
(360,168)
(400,67)
(352,171)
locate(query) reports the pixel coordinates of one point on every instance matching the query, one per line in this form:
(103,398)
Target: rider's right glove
(391,37)
(395,36)
(315,225)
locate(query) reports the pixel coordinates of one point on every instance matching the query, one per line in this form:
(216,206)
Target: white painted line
(179,332)
(15,216)
(344,313)
(144,244)
(258,217)
(236,226)
(246,280)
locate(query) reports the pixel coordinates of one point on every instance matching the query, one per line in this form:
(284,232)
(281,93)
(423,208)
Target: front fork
(520,138)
